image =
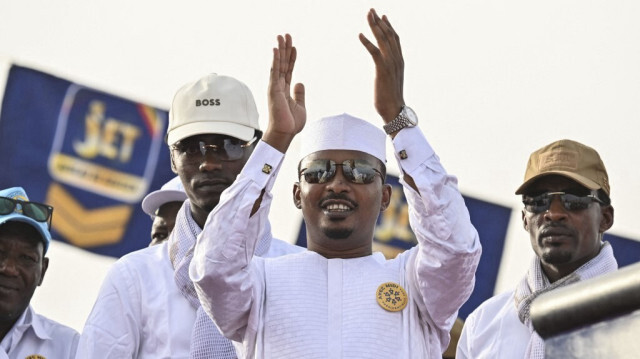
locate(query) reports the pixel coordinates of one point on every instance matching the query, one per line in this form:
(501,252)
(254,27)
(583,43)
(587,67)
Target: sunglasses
(321,171)
(226,149)
(571,202)
(37,211)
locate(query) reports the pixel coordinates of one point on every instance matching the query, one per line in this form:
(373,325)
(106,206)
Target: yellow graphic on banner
(96,178)
(108,137)
(394,223)
(115,152)
(151,119)
(86,227)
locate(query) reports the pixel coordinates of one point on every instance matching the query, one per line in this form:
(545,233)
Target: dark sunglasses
(571,202)
(37,211)
(321,171)
(227,149)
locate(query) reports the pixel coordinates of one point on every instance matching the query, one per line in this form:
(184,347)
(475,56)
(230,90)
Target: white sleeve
(227,282)
(464,351)
(443,267)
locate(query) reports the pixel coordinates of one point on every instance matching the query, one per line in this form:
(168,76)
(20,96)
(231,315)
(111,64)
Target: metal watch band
(398,123)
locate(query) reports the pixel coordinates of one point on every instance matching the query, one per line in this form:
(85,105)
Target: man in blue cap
(24,240)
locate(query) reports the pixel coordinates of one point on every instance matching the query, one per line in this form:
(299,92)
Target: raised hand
(387,56)
(287,114)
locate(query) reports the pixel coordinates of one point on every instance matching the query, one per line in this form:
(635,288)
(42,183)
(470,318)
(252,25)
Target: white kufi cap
(343,132)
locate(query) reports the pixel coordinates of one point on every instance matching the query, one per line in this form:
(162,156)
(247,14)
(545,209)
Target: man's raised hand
(387,56)
(287,114)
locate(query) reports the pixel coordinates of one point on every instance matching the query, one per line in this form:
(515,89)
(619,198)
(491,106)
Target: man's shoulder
(156,253)
(54,329)
(141,263)
(494,305)
(279,248)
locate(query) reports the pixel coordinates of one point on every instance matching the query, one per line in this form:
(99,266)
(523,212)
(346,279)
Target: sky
(491,81)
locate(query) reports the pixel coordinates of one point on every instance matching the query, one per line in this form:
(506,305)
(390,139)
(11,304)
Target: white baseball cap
(172,191)
(343,132)
(213,104)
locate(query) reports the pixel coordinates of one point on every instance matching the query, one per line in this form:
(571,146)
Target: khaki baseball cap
(213,104)
(569,159)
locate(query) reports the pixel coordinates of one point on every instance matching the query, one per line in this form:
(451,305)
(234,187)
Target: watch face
(410,115)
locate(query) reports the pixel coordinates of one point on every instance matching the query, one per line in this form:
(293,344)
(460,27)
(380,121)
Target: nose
(8,266)
(556,211)
(339,183)
(210,162)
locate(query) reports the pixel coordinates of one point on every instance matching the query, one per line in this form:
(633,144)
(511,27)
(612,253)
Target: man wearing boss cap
(24,240)
(566,211)
(147,306)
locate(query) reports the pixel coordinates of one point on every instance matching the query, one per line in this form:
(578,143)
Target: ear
(525,223)
(173,165)
(296,195)
(45,265)
(386,197)
(607,218)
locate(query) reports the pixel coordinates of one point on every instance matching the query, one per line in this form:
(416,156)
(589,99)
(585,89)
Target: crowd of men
(214,283)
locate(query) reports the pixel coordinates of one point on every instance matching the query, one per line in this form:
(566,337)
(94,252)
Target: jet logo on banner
(99,159)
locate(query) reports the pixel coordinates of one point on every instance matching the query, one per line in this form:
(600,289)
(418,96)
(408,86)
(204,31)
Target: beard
(337,233)
(556,256)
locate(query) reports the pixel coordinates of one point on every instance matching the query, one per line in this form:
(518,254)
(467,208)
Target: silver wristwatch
(406,118)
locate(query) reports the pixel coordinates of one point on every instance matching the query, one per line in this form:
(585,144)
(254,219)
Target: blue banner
(91,155)
(393,235)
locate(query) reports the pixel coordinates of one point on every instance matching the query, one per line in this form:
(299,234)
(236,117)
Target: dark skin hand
(387,57)
(287,113)
(389,80)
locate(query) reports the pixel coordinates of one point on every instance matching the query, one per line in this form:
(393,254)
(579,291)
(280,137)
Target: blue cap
(17,215)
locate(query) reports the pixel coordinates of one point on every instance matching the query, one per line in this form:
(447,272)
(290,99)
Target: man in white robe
(566,211)
(338,299)
(147,306)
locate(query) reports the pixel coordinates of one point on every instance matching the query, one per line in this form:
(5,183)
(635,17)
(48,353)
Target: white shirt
(305,305)
(34,334)
(493,331)
(140,312)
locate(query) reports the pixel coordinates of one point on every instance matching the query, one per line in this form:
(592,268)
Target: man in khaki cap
(566,211)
